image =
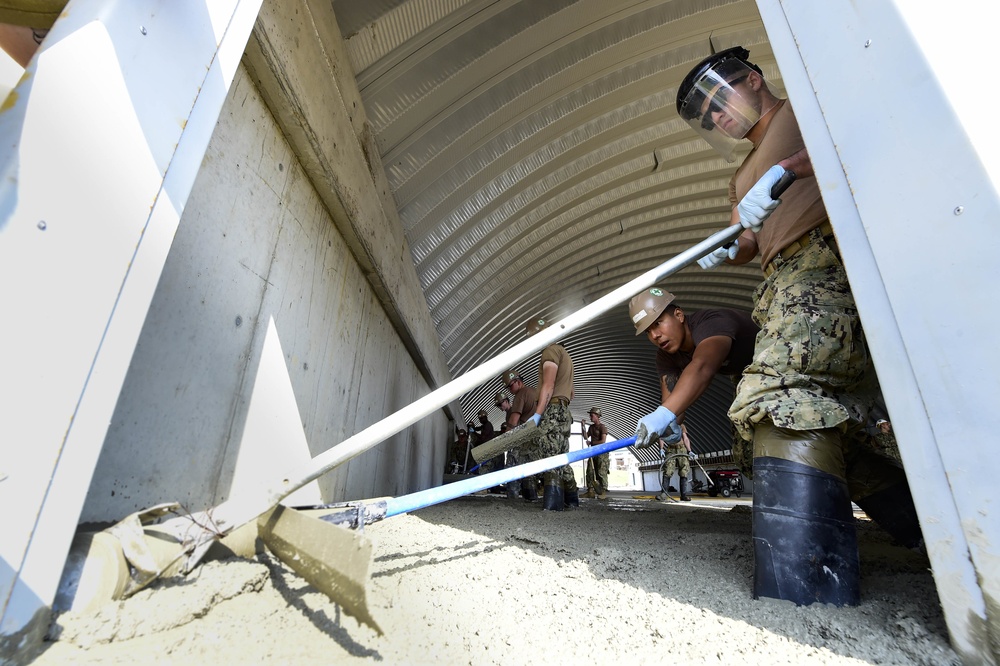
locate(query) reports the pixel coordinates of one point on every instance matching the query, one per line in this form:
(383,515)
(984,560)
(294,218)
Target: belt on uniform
(793,248)
(559,400)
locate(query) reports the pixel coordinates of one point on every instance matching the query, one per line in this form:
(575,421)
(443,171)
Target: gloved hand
(673,433)
(652,425)
(719,255)
(757,205)
(537,418)
(692,455)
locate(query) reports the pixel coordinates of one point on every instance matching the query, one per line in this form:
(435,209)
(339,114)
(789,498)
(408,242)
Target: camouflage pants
(555,426)
(811,368)
(456,454)
(597,472)
(742,449)
(675,460)
(885,442)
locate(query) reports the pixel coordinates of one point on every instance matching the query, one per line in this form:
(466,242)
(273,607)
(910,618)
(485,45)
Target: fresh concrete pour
(486,580)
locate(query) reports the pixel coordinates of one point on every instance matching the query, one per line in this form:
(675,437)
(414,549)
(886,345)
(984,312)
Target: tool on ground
(206,527)
(357,514)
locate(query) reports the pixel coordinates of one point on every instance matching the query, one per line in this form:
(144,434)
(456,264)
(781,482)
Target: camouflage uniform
(681,462)
(555,426)
(885,442)
(811,368)
(598,468)
(456,454)
(742,448)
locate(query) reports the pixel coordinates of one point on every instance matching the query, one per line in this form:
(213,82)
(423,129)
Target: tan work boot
(589,494)
(602,496)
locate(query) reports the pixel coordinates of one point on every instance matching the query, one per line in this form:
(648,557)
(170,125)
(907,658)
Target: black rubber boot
(804,539)
(552,500)
(513,489)
(572,497)
(878,485)
(528,490)
(892,509)
(684,489)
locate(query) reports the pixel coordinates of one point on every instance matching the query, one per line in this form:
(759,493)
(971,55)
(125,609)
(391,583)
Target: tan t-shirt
(564,375)
(801,208)
(596,434)
(525,403)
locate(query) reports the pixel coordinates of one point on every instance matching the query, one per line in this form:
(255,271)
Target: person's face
(730,105)
(515,386)
(668,332)
(885,427)
(595,418)
(482,418)
(505,405)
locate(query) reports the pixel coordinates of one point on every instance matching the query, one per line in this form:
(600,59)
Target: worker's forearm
(692,383)
(799,163)
(544,396)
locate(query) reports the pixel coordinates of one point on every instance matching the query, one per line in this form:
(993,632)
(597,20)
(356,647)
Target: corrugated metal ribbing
(613,212)
(518,138)
(375,28)
(592,49)
(506,127)
(543,188)
(426,71)
(559,149)
(564,229)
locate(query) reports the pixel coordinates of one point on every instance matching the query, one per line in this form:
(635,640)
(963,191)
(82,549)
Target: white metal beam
(915,213)
(103,138)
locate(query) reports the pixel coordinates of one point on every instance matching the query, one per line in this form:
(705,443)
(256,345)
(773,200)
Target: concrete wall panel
(256,243)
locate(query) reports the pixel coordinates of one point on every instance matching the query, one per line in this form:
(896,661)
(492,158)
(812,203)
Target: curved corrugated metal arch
(538,163)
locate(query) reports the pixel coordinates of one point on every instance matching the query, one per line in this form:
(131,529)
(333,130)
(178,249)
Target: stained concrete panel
(256,243)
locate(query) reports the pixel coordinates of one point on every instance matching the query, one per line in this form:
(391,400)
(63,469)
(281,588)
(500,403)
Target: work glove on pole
(715,258)
(537,418)
(757,205)
(660,423)
(692,455)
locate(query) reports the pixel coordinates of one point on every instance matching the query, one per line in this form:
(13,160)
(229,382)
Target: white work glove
(719,255)
(653,425)
(537,418)
(757,205)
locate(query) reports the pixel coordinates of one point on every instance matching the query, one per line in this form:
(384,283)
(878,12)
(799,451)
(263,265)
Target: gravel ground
(486,580)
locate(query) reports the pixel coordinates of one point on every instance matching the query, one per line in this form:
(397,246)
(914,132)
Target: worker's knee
(869,472)
(820,449)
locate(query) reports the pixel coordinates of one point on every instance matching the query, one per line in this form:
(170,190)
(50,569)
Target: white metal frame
(103,138)
(914,206)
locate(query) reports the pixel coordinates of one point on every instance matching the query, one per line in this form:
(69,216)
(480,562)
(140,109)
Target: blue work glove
(757,205)
(692,455)
(719,255)
(673,433)
(651,426)
(537,418)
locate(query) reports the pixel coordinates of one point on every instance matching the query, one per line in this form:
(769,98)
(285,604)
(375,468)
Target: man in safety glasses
(805,397)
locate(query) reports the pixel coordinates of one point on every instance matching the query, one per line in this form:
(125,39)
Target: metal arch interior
(537,162)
